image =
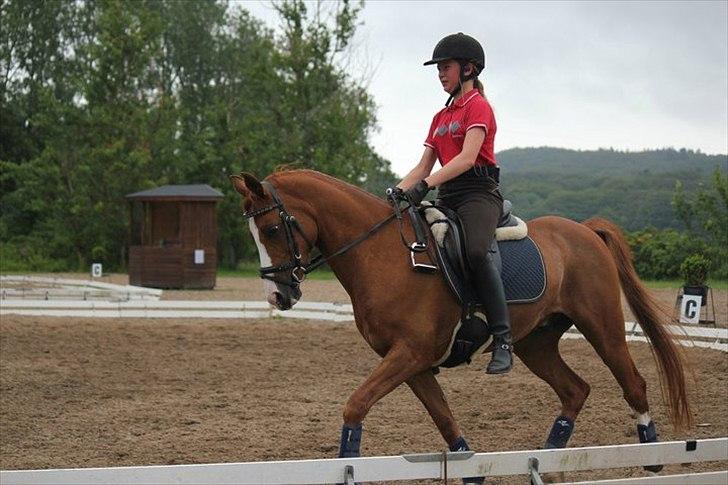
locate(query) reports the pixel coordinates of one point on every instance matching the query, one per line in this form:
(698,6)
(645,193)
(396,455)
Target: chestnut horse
(408,317)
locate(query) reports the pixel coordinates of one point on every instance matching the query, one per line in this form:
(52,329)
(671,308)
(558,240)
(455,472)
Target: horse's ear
(247,185)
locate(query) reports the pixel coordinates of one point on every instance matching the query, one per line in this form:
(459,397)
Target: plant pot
(701,291)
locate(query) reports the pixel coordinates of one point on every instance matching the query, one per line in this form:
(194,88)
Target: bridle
(295,264)
(290,226)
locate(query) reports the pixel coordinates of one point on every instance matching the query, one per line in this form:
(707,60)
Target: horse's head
(279,228)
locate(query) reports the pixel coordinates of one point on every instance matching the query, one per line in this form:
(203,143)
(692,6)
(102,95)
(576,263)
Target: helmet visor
(435,60)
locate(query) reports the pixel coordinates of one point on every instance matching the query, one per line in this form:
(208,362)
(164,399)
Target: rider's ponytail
(479,86)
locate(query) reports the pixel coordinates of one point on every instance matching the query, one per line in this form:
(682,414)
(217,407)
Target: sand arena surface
(80,392)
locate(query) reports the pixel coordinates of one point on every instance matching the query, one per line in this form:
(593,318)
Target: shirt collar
(467,97)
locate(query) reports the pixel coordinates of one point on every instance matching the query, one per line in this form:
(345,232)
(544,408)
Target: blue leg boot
(350,441)
(648,434)
(560,433)
(462,445)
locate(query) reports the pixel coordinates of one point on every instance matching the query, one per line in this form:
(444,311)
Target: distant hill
(634,189)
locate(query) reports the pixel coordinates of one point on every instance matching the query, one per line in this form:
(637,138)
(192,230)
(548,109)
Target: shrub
(28,255)
(659,254)
(694,270)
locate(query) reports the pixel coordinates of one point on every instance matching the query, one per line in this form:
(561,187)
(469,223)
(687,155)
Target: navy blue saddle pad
(523,273)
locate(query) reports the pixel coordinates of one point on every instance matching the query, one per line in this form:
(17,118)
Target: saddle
(449,247)
(516,256)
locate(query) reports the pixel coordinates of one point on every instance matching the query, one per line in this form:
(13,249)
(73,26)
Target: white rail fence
(689,336)
(407,467)
(175,309)
(51,288)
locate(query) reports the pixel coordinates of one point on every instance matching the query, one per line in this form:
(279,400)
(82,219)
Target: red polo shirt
(447,131)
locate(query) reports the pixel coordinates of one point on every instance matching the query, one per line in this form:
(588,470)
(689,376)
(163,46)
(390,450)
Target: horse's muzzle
(285,299)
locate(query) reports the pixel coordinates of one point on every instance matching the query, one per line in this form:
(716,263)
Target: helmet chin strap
(461,80)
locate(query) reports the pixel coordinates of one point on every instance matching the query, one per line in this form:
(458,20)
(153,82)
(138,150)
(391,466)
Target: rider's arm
(421,170)
(462,162)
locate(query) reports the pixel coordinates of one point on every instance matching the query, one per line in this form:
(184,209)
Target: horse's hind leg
(540,352)
(603,327)
(429,392)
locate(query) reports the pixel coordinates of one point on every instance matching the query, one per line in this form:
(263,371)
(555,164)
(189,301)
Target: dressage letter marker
(96,270)
(690,308)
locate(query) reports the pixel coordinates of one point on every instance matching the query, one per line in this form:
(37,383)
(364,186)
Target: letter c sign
(690,309)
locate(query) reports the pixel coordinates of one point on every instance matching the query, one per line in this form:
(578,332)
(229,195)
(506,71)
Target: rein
(291,224)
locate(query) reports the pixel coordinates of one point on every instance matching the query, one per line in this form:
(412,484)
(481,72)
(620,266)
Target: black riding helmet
(462,48)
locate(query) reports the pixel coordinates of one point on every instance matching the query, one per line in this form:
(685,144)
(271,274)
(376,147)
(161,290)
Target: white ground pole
(405,467)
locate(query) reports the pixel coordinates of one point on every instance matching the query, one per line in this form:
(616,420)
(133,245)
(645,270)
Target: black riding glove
(417,192)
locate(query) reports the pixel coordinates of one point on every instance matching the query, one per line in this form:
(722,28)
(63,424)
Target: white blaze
(268,286)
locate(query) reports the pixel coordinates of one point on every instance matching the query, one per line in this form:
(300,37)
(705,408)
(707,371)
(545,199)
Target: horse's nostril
(275,298)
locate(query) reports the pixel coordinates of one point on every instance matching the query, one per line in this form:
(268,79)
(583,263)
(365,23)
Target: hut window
(137,223)
(165,224)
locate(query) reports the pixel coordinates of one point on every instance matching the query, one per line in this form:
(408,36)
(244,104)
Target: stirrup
(417,247)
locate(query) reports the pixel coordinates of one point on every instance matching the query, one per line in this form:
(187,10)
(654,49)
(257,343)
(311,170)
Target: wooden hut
(173,237)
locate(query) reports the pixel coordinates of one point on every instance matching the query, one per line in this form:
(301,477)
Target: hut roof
(176,192)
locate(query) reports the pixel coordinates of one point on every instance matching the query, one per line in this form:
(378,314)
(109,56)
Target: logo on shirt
(442,129)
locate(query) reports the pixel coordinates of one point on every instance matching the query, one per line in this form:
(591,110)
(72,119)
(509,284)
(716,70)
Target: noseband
(291,224)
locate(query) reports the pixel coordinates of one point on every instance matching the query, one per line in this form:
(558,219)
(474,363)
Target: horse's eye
(271,231)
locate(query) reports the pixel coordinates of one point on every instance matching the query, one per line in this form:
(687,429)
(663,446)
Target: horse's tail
(668,355)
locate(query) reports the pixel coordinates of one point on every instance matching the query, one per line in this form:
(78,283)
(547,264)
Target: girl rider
(461,137)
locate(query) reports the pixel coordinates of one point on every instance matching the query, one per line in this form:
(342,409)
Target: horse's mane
(345,186)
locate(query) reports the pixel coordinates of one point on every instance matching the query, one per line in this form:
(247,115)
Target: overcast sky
(582,75)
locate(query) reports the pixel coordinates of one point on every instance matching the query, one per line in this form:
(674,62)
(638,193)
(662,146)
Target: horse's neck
(342,214)
(341,226)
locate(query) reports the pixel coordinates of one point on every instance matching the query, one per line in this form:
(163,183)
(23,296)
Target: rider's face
(449,74)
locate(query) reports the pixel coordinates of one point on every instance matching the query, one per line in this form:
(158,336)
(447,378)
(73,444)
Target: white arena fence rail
(441,466)
(47,288)
(337,312)
(689,336)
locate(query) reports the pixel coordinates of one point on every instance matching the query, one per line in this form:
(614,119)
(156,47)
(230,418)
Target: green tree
(103,98)
(326,115)
(705,213)
(93,117)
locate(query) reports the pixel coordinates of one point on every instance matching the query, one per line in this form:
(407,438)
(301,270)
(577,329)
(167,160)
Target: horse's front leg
(429,392)
(399,365)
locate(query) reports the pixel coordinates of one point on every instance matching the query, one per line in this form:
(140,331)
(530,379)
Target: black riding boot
(491,295)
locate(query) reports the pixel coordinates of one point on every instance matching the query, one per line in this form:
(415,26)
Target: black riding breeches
(479,204)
